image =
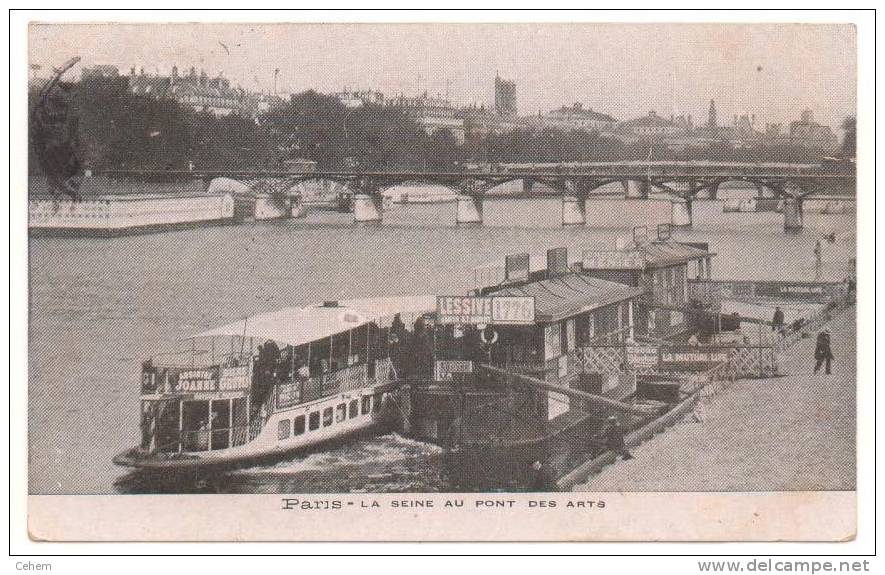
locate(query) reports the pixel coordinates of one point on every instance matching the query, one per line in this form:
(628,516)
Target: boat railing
(207,439)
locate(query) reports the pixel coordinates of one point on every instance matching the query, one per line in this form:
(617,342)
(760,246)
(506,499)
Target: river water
(99,306)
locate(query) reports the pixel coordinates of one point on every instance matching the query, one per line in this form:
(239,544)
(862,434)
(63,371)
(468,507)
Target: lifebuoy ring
(488,336)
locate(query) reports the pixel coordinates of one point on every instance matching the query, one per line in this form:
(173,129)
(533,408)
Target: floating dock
(112,215)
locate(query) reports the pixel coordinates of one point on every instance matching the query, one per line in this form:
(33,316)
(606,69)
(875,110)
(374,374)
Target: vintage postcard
(441,282)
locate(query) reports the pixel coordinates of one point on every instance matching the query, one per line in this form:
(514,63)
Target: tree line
(117,129)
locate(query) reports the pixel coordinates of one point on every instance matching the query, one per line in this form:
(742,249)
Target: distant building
(505,96)
(712,121)
(201,92)
(652,126)
(359,98)
(480,121)
(432,114)
(100,71)
(808,133)
(574,117)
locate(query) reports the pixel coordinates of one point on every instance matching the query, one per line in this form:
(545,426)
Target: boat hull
(190,462)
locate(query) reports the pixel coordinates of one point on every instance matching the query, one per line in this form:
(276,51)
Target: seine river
(99,306)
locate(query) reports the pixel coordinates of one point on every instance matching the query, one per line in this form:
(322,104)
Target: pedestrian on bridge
(822,351)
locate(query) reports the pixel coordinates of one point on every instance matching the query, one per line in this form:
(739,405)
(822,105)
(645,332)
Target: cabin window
(367,404)
(327,416)
(376,402)
(298,425)
(283,429)
(314,422)
(354,408)
(340,412)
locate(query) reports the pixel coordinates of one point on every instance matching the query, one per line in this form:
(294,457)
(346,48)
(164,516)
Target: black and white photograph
(409,264)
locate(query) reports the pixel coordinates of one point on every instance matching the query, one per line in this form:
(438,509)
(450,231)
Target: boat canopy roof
(300,325)
(659,254)
(568,295)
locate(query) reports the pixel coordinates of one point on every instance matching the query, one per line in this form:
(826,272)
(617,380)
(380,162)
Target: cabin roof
(568,295)
(659,254)
(299,325)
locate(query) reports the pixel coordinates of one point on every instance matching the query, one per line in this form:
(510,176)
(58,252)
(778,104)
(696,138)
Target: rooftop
(299,325)
(568,295)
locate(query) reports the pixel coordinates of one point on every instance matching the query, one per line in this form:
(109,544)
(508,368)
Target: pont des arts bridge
(680,182)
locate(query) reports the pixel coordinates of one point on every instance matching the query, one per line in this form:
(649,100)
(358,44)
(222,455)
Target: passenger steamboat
(272,384)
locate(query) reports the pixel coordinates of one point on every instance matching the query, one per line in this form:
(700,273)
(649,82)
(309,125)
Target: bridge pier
(574,210)
(367,208)
(680,213)
(469,210)
(527,186)
(793,215)
(296,201)
(635,189)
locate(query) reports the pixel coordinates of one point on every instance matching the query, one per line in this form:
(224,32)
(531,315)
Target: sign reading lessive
(485,309)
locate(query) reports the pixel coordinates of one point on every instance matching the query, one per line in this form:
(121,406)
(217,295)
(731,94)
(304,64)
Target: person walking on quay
(777,322)
(818,261)
(614,438)
(822,351)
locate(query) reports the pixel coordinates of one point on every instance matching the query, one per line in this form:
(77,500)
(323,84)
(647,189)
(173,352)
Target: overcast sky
(625,70)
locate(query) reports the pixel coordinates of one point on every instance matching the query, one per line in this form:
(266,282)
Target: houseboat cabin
(662,268)
(529,325)
(273,383)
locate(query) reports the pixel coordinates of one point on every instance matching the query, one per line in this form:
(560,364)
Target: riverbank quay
(795,432)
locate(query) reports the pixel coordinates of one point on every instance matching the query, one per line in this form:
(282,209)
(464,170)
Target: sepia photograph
(407,265)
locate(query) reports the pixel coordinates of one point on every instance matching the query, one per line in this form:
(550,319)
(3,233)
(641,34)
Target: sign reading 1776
(467,310)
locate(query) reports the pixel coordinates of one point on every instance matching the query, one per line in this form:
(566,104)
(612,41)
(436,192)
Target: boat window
(340,413)
(314,420)
(367,404)
(283,429)
(327,416)
(298,425)
(354,408)
(376,403)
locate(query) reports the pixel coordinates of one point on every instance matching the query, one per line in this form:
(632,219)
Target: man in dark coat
(614,438)
(822,351)
(777,322)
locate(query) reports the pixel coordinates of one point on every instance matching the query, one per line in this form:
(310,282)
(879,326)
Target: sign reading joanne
(612,260)
(445,368)
(473,310)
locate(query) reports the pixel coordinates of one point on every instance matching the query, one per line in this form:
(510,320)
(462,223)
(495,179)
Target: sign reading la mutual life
(691,359)
(478,310)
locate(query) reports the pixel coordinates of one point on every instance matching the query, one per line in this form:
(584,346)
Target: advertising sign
(557,262)
(445,368)
(516,267)
(642,356)
(612,260)
(692,359)
(474,310)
